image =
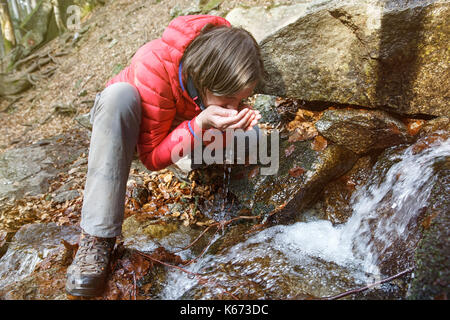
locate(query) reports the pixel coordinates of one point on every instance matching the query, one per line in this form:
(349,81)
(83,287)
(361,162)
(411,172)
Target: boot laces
(93,253)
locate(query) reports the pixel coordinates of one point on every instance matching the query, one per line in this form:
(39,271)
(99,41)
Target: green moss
(117,68)
(206,6)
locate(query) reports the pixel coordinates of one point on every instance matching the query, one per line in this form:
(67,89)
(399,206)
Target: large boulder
(389,54)
(361,130)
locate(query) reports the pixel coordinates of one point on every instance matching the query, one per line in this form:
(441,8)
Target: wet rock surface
(437,124)
(349,52)
(432,276)
(362,131)
(302,174)
(410,213)
(28,170)
(354,52)
(32,244)
(337,194)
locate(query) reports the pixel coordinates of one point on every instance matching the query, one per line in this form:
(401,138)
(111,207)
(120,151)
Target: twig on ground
(353,291)
(10,104)
(204,249)
(220,224)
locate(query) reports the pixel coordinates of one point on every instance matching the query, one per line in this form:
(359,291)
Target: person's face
(228,102)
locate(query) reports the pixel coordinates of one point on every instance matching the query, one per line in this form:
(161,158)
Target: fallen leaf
(168,178)
(427,221)
(253,173)
(296,172)
(289,150)
(414,126)
(304,132)
(319,143)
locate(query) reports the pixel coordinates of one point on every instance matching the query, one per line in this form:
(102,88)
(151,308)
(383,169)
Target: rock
(261,22)
(66,196)
(266,265)
(28,170)
(299,180)
(386,54)
(337,194)
(362,131)
(266,105)
(84,120)
(66,187)
(432,265)
(30,245)
(437,124)
(13,84)
(153,229)
(149,234)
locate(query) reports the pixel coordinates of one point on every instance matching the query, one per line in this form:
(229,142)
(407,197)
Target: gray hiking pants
(116,118)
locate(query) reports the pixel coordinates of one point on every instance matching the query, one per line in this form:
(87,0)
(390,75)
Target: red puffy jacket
(167,108)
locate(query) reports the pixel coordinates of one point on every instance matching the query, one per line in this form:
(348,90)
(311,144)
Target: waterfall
(398,195)
(383,211)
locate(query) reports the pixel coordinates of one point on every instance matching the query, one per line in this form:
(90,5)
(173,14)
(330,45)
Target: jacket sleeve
(173,146)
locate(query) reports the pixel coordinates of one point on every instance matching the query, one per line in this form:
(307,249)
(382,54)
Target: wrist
(201,123)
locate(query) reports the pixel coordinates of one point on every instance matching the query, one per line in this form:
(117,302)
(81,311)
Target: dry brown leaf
(413,126)
(427,221)
(319,143)
(296,172)
(253,173)
(289,150)
(304,132)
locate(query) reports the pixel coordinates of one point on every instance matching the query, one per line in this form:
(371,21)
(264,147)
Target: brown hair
(223,60)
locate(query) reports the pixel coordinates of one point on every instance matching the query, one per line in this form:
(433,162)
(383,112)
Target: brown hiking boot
(87,274)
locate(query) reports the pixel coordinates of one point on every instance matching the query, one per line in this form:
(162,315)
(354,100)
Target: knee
(121,98)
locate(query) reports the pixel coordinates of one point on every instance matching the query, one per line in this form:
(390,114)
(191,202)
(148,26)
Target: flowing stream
(316,258)
(312,258)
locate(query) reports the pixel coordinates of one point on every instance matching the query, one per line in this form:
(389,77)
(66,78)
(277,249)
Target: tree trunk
(28,6)
(59,22)
(15,10)
(9,38)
